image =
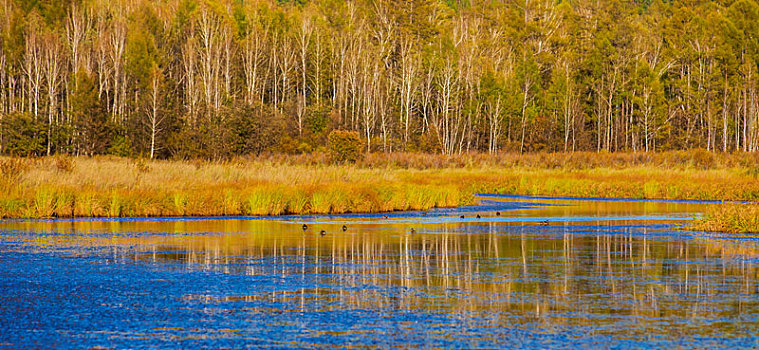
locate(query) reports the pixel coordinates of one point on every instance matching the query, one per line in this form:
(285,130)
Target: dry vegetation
(729,218)
(117,187)
(276,184)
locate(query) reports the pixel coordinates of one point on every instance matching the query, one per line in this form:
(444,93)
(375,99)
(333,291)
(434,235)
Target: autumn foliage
(217,79)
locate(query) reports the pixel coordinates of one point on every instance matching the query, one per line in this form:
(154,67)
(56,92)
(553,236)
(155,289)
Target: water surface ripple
(527,273)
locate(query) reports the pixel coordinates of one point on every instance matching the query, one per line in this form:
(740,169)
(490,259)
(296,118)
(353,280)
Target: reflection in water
(463,284)
(517,271)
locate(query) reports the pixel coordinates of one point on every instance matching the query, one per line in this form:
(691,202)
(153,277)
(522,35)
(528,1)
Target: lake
(530,272)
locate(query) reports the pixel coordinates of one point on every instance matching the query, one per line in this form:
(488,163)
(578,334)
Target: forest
(215,79)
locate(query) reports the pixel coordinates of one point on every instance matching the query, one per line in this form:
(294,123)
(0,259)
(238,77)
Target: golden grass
(729,218)
(692,159)
(114,187)
(275,184)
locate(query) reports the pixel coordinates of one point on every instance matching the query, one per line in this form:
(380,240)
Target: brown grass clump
(11,169)
(64,164)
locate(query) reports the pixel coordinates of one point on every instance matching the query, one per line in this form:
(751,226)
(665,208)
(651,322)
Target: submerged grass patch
(118,187)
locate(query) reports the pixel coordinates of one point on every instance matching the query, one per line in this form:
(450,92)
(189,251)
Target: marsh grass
(269,200)
(118,187)
(729,218)
(44,203)
(180,203)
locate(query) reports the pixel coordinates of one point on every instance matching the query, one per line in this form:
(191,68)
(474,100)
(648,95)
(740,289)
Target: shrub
(120,146)
(345,146)
(23,135)
(251,129)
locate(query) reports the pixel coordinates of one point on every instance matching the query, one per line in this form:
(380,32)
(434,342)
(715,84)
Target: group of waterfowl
(322,232)
(345,227)
(498,213)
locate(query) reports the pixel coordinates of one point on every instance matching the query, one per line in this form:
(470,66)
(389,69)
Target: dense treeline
(214,78)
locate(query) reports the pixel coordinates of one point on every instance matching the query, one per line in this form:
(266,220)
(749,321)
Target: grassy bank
(112,187)
(272,185)
(729,218)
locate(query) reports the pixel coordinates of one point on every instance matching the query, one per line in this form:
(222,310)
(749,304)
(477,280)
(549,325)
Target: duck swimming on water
(345,228)
(305,227)
(544,223)
(323,233)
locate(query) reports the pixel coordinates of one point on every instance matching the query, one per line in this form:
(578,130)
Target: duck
(323,233)
(462,216)
(498,213)
(413,231)
(544,223)
(478,216)
(345,228)
(305,227)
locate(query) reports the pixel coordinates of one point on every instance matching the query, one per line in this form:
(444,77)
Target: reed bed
(277,184)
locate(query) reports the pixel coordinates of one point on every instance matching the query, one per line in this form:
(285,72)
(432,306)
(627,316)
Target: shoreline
(111,187)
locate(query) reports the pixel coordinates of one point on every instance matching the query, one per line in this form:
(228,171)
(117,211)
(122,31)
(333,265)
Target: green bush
(251,129)
(345,146)
(24,135)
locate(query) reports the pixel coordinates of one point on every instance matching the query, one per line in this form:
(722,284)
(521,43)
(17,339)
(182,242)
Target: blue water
(588,281)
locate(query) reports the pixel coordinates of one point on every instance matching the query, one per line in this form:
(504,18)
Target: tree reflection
(593,275)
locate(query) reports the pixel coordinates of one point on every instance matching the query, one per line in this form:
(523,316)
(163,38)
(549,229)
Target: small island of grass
(729,218)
